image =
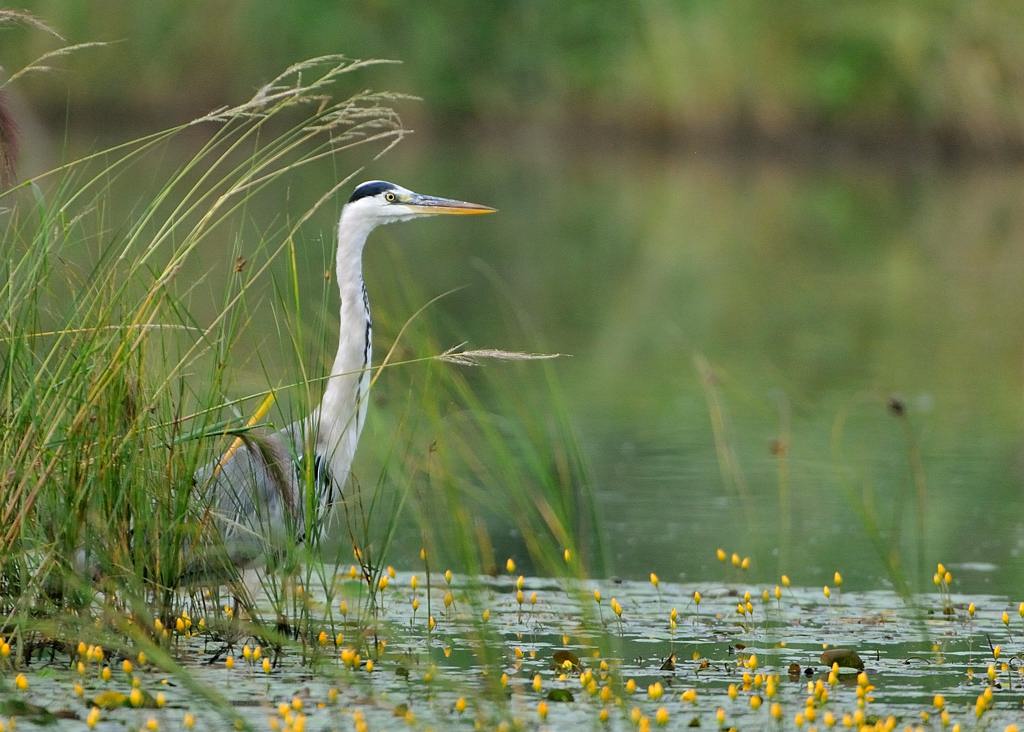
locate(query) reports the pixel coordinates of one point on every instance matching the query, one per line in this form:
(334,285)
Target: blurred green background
(822,198)
(942,72)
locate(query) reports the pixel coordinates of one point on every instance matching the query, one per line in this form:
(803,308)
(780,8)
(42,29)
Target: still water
(817,292)
(685,669)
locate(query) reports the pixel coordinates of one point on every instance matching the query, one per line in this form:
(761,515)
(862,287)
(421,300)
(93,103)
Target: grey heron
(257,491)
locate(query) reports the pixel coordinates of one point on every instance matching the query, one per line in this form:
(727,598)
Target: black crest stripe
(371,188)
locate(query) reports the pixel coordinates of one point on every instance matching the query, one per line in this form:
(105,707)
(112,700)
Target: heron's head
(381,202)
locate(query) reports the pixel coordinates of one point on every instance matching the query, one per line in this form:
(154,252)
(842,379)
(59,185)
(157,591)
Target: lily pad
(32,712)
(560,695)
(111,699)
(845,657)
(562,658)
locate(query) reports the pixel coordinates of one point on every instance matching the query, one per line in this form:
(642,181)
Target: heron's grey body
(259,493)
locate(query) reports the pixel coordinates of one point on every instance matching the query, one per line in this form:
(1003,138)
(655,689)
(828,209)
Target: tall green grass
(115,386)
(93,304)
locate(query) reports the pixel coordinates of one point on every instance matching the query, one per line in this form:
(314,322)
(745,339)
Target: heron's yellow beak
(434,205)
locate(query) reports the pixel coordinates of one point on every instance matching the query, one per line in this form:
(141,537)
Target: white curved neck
(343,407)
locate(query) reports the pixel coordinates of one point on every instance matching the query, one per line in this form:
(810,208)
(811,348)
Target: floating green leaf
(111,699)
(566,660)
(845,657)
(32,712)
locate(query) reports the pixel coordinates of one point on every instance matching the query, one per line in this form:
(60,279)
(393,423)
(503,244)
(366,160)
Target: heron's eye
(390,197)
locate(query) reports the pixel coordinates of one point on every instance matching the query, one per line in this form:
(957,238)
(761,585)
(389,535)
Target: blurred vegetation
(941,72)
